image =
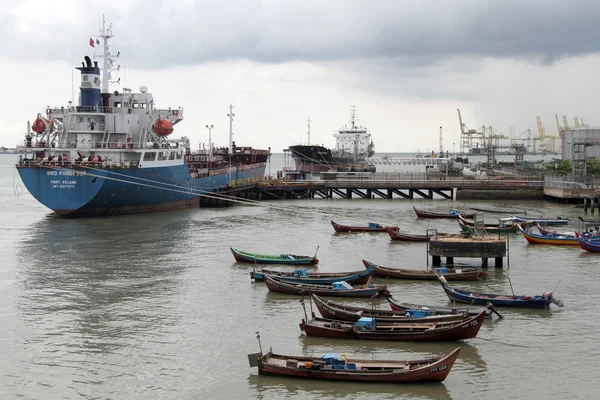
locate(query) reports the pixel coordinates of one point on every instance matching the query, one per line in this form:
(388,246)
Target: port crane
(477,138)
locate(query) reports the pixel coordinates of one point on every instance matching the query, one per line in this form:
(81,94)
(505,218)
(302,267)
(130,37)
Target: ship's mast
(353,118)
(308,124)
(231,115)
(105,34)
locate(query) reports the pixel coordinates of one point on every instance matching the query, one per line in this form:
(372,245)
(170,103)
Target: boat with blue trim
(541,220)
(320,278)
(470,297)
(411,308)
(112,153)
(587,242)
(337,289)
(338,367)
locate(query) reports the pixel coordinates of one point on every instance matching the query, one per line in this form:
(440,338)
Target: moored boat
(112,153)
(352,148)
(320,278)
(456,274)
(342,312)
(548,238)
(586,242)
(370,328)
(450,215)
(525,301)
(545,232)
(398,306)
(370,227)
(541,220)
(502,227)
(339,367)
(291,259)
(336,289)
(395,234)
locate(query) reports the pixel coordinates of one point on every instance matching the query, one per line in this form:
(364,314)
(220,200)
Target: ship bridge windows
(180,154)
(149,156)
(172,155)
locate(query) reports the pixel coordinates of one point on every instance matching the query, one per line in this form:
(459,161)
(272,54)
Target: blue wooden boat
(291,259)
(588,243)
(339,289)
(419,309)
(323,278)
(541,221)
(466,296)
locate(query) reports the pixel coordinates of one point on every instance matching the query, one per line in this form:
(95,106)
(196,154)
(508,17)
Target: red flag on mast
(92,42)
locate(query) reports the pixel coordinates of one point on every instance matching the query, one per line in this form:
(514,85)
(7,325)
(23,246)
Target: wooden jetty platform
(386,186)
(483,247)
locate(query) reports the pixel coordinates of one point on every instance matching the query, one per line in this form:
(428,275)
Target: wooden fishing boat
(502,227)
(339,367)
(369,328)
(291,259)
(402,307)
(494,210)
(588,243)
(395,234)
(540,220)
(340,312)
(548,238)
(322,278)
(450,215)
(467,296)
(453,274)
(338,289)
(371,227)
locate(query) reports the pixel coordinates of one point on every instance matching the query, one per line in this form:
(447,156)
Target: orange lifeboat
(162,127)
(39,125)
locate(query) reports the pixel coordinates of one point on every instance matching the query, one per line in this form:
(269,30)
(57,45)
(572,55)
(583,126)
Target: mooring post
(498,262)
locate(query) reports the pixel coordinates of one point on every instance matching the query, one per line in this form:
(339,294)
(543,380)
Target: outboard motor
(553,299)
(492,309)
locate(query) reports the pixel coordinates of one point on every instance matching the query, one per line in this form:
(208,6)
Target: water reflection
(101,283)
(275,387)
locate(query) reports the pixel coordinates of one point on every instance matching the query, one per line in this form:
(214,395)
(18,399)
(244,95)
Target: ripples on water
(154,306)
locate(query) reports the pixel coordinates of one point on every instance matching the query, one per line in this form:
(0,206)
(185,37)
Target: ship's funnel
(90,86)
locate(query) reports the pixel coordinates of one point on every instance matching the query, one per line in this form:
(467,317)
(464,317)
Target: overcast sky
(407,66)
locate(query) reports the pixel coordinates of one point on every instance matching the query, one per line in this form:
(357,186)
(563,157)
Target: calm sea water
(154,306)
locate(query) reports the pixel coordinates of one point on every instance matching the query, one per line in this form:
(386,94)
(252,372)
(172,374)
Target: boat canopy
(300,273)
(366,323)
(343,285)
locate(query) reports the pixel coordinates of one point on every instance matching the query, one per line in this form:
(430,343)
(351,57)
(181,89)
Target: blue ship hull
(96,192)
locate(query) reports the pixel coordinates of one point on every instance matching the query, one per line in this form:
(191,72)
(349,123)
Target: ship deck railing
(111,110)
(39,146)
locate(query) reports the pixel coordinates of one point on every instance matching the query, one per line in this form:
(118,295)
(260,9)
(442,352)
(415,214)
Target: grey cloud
(415,34)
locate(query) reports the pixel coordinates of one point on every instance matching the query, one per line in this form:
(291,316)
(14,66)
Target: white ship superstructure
(354,141)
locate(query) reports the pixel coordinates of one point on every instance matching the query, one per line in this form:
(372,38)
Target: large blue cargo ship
(112,153)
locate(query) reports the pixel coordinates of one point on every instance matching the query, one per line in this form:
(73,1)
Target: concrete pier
(467,247)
